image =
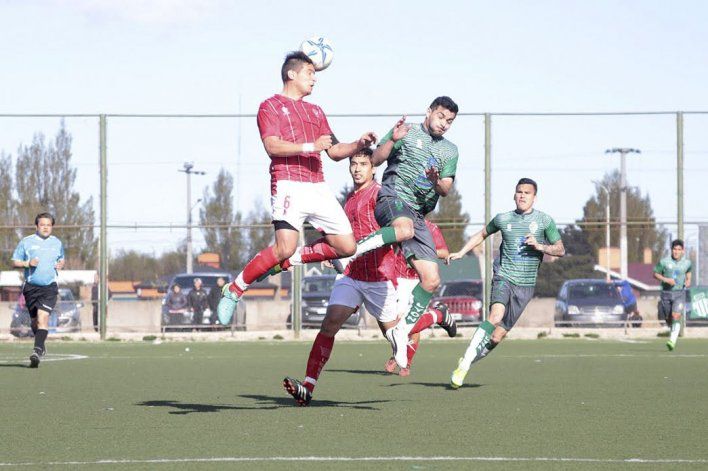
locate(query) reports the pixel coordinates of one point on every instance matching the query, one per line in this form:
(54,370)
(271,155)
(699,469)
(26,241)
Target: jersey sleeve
(268,121)
(325,127)
(690,267)
(61,251)
(20,253)
(493,225)
(659,267)
(449,168)
(551,233)
(387,137)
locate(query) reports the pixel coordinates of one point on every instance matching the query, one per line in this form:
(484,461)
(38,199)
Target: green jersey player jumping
(527,234)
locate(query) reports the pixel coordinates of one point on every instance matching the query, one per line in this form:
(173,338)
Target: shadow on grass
(15,365)
(289,402)
(436,385)
(262,402)
(361,372)
(189,408)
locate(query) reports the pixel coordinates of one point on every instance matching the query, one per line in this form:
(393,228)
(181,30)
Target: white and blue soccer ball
(319,50)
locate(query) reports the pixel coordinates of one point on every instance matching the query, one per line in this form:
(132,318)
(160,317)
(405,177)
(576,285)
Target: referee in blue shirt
(41,255)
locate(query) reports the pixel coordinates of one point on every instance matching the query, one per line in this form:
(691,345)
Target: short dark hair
(528,181)
(43,216)
(446,102)
(294,61)
(677,243)
(367,151)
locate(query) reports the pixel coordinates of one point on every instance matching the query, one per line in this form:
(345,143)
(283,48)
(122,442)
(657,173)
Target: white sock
(675,330)
(242,285)
(368,244)
(477,348)
(296,258)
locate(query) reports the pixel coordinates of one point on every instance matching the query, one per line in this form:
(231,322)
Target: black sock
(34,329)
(39,337)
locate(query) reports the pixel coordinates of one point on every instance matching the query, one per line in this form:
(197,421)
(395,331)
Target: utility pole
(188,169)
(623,151)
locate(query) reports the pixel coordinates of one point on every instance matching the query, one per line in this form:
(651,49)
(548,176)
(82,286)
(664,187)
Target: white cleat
(398,336)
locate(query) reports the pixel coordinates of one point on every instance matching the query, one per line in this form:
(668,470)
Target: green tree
(8,235)
(44,181)
(218,220)
(260,229)
(134,266)
(642,230)
(451,219)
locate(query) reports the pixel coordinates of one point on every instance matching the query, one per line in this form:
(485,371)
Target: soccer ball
(319,50)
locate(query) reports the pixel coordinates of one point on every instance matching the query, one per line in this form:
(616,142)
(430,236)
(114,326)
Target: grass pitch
(532,404)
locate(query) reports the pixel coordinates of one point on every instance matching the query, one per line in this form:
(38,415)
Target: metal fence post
(102,239)
(487,212)
(296,295)
(679,191)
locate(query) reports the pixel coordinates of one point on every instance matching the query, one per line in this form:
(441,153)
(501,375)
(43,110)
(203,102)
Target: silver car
(65,317)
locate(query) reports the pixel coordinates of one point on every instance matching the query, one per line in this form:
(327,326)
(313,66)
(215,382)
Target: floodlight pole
(623,151)
(188,169)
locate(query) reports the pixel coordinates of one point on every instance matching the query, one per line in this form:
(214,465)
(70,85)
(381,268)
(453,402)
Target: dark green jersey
(518,262)
(675,269)
(410,158)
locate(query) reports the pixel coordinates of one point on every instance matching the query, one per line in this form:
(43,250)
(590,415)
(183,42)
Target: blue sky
(214,56)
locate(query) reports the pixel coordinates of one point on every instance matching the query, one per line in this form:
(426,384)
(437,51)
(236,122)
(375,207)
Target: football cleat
(670,345)
(340,264)
(458,376)
(298,391)
(227,304)
(404,372)
(390,365)
(448,322)
(398,337)
(35,357)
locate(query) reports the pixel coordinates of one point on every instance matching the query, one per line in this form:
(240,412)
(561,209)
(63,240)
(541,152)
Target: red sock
(321,349)
(259,265)
(317,251)
(432,316)
(412,348)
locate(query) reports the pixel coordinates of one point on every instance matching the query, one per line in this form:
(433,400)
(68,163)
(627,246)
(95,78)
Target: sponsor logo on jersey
(419,144)
(533,227)
(285,110)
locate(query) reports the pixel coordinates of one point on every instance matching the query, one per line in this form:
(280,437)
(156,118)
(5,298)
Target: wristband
(308,147)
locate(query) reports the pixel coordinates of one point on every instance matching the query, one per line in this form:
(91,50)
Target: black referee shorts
(40,297)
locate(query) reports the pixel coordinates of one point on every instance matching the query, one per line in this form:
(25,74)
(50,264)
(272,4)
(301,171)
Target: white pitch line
(48,357)
(237,459)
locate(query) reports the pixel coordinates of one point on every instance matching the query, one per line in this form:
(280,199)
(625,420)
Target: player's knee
(330,326)
(283,251)
(430,281)
(498,335)
(404,232)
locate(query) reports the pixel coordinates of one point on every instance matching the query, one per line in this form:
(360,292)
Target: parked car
(183,318)
(65,317)
(315,299)
(589,303)
(463,299)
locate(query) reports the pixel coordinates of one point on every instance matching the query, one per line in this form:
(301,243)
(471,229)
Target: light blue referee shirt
(49,251)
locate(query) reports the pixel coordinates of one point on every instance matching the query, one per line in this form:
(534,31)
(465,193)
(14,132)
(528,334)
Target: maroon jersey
(402,268)
(379,264)
(294,121)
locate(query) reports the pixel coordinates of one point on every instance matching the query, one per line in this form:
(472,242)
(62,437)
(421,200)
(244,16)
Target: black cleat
(298,391)
(448,323)
(34,358)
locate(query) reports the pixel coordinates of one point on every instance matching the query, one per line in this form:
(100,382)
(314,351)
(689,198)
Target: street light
(623,151)
(607,227)
(188,169)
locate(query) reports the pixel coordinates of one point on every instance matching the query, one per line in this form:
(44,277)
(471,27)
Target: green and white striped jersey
(411,156)
(675,269)
(518,262)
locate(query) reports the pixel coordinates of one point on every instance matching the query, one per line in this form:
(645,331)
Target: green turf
(570,398)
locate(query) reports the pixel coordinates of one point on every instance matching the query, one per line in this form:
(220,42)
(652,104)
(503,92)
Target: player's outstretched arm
(398,132)
(474,241)
(277,147)
(341,150)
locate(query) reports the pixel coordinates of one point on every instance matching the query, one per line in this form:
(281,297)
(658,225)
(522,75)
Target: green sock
(421,299)
(384,236)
